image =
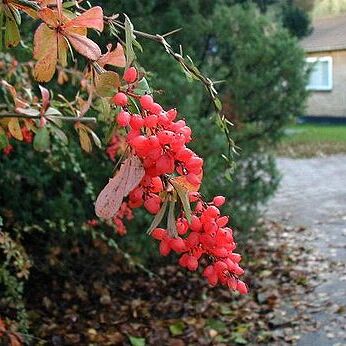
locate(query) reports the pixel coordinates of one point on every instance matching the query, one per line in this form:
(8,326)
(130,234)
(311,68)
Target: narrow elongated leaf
(128,177)
(59,134)
(129,38)
(28,111)
(95,138)
(171,225)
(93,19)
(84,140)
(45,97)
(183,194)
(62,50)
(84,46)
(41,139)
(14,128)
(158,217)
(107,83)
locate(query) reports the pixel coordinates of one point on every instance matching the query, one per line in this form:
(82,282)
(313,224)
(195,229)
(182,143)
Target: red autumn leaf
(45,98)
(92,19)
(114,57)
(51,38)
(128,177)
(84,46)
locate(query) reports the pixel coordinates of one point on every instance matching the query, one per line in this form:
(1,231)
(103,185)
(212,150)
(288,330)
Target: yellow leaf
(84,140)
(107,83)
(14,128)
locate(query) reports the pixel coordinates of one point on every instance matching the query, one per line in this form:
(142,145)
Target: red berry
(177,244)
(196,224)
(155,108)
(219,201)
(222,221)
(164,248)
(172,114)
(158,233)
(192,263)
(130,75)
(153,204)
(182,226)
(136,122)
(146,101)
(212,212)
(120,99)
(151,120)
(242,288)
(123,118)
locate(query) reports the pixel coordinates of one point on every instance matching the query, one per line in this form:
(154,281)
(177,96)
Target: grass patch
(309,140)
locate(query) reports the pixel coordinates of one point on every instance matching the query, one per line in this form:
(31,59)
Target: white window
(321,74)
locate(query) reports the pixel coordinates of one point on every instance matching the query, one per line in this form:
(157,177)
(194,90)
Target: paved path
(313,194)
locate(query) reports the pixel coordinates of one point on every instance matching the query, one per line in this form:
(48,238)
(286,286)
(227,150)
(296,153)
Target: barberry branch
(57,117)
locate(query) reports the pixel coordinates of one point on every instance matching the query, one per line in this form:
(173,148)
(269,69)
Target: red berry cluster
(205,239)
(160,140)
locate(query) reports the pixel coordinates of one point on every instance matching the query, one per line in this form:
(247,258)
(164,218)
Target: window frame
(329,86)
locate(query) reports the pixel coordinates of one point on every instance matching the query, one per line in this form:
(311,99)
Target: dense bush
(46,200)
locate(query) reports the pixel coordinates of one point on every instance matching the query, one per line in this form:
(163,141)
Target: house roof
(328,34)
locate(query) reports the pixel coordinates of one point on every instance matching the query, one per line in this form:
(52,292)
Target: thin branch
(57,117)
(208,83)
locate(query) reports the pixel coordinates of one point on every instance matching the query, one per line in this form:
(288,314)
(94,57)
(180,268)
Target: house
(326,52)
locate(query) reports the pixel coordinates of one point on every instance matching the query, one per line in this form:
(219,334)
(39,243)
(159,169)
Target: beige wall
(331,103)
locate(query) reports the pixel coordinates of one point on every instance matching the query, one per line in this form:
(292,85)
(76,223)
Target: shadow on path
(313,194)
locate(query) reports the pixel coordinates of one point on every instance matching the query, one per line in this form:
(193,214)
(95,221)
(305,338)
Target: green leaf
(107,84)
(177,328)
(158,217)
(12,35)
(171,225)
(95,138)
(218,103)
(3,139)
(218,325)
(142,87)
(183,194)
(129,39)
(135,341)
(60,134)
(42,139)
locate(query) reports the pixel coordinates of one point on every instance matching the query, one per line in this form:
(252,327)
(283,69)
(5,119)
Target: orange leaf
(183,182)
(49,16)
(45,51)
(93,18)
(45,68)
(84,46)
(62,50)
(115,57)
(128,177)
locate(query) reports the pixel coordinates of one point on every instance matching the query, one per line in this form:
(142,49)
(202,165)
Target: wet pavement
(312,194)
